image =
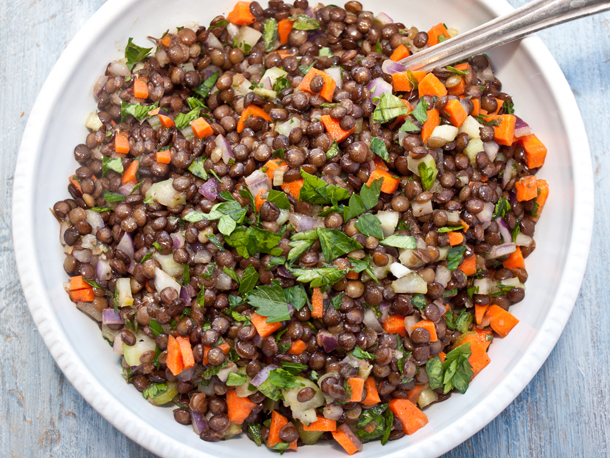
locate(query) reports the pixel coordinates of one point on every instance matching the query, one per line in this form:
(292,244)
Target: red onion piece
(258,181)
(332,412)
(378,86)
(504,230)
(109,317)
(327,340)
(232,30)
(267,84)
(117,345)
(126,189)
(227,152)
(209,189)
(99,85)
(177,240)
(196,247)
(82,255)
(282,271)
(370,320)
(309,12)
(390,67)
(184,295)
(382,19)
(103,271)
(117,68)
(335,74)
(409,323)
(441,308)
(126,245)
(487,212)
(199,422)
(523,240)
(257,340)
(212,42)
(132,267)
(521,128)
(303,223)
(491,148)
(186,375)
(385,311)
(313,36)
(509,172)
(210,70)
(497,251)
(263,375)
(352,437)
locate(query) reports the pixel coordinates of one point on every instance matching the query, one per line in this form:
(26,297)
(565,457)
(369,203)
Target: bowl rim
(136,429)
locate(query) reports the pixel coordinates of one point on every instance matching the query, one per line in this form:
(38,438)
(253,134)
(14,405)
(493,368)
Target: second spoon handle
(530,18)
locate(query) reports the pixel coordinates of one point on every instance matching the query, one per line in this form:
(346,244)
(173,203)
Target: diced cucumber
(308,437)
(123,291)
(304,411)
(475,146)
(413,164)
(168,264)
(164,193)
(143,344)
(172,391)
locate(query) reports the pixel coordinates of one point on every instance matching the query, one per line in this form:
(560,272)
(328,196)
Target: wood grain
(562,412)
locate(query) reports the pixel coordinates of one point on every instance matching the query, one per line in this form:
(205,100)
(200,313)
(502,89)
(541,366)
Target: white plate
(542,97)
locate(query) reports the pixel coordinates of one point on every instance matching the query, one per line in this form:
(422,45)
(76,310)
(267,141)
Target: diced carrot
(430,124)
(469,265)
(428,326)
(535,151)
(514,260)
(166,41)
(205,360)
(504,134)
(82,295)
(389,184)
(166,121)
(501,321)
(456,112)
(284,53)
(439,30)
(293,188)
(321,424)
(77,283)
(263,328)
(272,165)
(380,164)
(328,88)
(225,347)
(457,89)
(500,104)
(431,85)
(334,129)
(298,347)
(372,395)
(543,195)
(241,14)
(465,67)
(442,355)
(463,223)
(400,53)
(174,356)
(164,157)
(149,288)
(411,417)
(476,111)
(356,385)
(351,275)
(201,128)
(121,143)
(395,324)
(140,88)
(278,421)
(260,199)
(484,337)
(413,395)
(479,312)
(402,83)
(317,303)
(527,188)
(129,175)
(345,440)
(484,112)
(478,359)
(455,238)
(283,29)
(186,350)
(238,408)
(252,110)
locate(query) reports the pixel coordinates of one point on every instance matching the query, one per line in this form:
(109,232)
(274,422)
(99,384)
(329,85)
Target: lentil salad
(282,231)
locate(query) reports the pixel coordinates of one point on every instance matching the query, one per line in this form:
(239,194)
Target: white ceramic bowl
(542,97)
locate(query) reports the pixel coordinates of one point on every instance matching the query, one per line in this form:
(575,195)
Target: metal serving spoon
(530,18)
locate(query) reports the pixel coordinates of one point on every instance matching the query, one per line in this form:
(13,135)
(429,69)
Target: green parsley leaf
(515,232)
(400,241)
(296,295)
(214,370)
(363,265)
(427,175)
(322,277)
(197,169)
(369,225)
(355,207)
(502,289)
(294,368)
(388,108)
(270,34)
(463,322)
(111,164)
(135,53)
(326,52)
(204,88)
(249,279)
(335,243)
(137,110)
(155,327)
(317,191)
(455,257)
(146,257)
(305,68)
(502,208)
(378,47)
(231,273)
(300,243)
(509,107)
(255,433)
(441,230)
(378,147)
(154,390)
(336,301)
(280,84)
(269,301)
(419,301)
(361,354)
(186,275)
(101,209)
(434,369)
(450,292)
(183,120)
(389,422)
(332,151)
(279,198)
(304,22)
(408,126)
(212,238)
(456,71)
(420,111)
(236,379)
(457,370)
(276,261)
(112,196)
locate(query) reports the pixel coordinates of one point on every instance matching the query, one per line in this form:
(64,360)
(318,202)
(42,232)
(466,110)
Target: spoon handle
(530,18)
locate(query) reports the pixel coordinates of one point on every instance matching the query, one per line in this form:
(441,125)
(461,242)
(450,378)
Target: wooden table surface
(562,412)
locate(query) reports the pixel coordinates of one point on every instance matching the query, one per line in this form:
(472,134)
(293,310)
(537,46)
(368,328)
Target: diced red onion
(384,308)
(390,67)
(335,74)
(278,175)
(491,148)
(441,308)
(90,310)
(370,320)
(523,240)
(258,181)
(382,19)
(504,230)
(126,189)
(313,36)
(117,345)
(378,86)
(443,275)
(131,267)
(263,375)
(184,295)
(186,375)
(202,257)
(177,240)
(257,340)
(209,189)
(409,323)
(95,220)
(305,223)
(521,128)
(487,212)
(116,68)
(126,245)
(227,152)
(421,209)
(290,309)
(309,12)
(332,412)
(256,69)
(162,57)
(109,317)
(267,83)
(512,198)
(82,255)
(210,70)
(327,340)
(99,85)
(509,172)
(199,422)
(282,271)
(484,285)
(223,282)
(103,271)
(352,437)
(212,42)
(497,251)
(232,30)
